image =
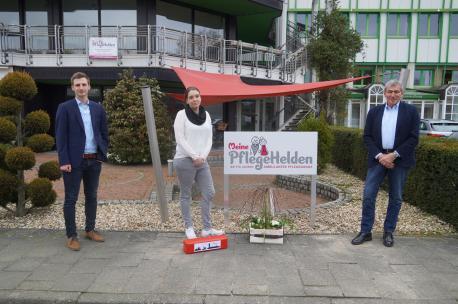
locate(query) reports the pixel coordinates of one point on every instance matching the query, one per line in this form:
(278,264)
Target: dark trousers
(89,172)
(396,180)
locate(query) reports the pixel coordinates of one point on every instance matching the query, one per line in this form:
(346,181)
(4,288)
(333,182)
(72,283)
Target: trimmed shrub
(40,142)
(11,118)
(20,158)
(433,184)
(3,149)
(325,138)
(10,106)
(41,193)
(50,170)
(7,130)
(349,152)
(37,122)
(19,85)
(8,187)
(127,126)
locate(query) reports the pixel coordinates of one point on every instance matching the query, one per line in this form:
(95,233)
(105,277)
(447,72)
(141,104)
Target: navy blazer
(406,136)
(70,135)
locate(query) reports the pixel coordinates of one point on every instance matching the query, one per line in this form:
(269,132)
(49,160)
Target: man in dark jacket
(82,143)
(390,135)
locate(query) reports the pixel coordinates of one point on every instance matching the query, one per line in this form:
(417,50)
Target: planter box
(268,236)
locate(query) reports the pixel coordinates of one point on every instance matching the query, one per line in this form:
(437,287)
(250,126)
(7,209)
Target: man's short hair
(393,83)
(79,75)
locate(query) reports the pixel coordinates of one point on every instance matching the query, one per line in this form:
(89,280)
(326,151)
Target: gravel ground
(134,216)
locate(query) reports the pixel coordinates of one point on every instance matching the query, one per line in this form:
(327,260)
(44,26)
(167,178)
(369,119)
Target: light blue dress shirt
(90,146)
(389,120)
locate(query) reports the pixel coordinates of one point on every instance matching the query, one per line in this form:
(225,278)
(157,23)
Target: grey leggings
(187,173)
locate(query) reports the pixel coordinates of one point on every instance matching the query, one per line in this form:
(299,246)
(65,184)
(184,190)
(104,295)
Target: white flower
(275,223)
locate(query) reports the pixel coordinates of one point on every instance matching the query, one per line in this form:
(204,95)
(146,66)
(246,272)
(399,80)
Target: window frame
(365,34)
(392,70)
(361,70)
(428,34)
(453,35)
(398,25)
(422,84)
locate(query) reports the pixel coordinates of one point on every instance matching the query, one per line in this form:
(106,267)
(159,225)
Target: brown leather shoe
(94,236)
(73,244)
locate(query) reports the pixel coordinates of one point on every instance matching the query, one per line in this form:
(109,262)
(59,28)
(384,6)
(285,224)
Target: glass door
(248,115)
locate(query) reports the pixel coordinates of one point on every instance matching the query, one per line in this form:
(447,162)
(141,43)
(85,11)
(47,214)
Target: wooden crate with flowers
(265,227)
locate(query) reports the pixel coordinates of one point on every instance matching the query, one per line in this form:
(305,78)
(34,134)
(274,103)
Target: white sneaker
(211,232)
(190,234)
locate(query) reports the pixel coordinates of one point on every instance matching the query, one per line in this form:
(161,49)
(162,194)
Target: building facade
(418,35)
(52,39)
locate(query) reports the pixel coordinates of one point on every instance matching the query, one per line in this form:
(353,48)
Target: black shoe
(361,238)
(388,239)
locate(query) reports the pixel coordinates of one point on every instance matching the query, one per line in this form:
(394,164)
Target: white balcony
(146,46)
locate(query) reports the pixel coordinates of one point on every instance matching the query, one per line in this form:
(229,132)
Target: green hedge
(349,152)
(325,138)
(432,185)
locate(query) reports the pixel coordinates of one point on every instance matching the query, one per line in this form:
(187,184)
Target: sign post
(154,149)
(271,153)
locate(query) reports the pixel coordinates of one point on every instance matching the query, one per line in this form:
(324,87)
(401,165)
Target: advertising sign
(103,48)
(287,153)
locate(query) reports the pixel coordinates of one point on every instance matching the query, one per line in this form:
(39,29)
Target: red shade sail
(219,88)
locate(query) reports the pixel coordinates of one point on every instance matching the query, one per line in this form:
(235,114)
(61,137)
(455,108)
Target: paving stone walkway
(150,267)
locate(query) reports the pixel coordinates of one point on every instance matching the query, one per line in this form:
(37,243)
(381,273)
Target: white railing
(148,40)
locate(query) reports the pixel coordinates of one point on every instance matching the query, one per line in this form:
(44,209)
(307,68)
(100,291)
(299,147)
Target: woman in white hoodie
(193,135)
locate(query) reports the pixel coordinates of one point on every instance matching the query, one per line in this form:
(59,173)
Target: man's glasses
(393,91)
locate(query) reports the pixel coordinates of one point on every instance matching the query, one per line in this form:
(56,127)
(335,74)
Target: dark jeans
(89,172)
(375,176)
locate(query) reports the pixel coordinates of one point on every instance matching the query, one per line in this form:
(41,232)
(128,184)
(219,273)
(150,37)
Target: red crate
(205,244)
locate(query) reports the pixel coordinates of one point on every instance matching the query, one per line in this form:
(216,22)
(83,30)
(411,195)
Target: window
(451,103)
(391,73)
(36,15)
(36,12)
(173,16)
(423,126)
(375,96)
(304,22)
(82,12)
(367,25)
(454,25)
(428,25)
(423,78)
(425,109)
(9,12)
(208,24)
(124,13)
(118,12)
(355,113)
(363,71)
(398,25)
(451,76)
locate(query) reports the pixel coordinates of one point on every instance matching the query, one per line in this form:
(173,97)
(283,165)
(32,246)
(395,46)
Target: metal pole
(154,149)
(313,203)
(226,200)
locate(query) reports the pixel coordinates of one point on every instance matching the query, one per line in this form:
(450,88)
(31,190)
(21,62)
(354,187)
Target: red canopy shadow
(219,88)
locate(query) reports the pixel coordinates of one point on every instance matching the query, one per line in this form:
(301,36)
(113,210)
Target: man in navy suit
(390,135)
(82,143)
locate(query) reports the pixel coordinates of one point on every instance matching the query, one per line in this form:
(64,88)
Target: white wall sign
(103,48)
(270,153)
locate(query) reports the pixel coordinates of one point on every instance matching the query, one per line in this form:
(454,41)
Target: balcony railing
(148,40)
